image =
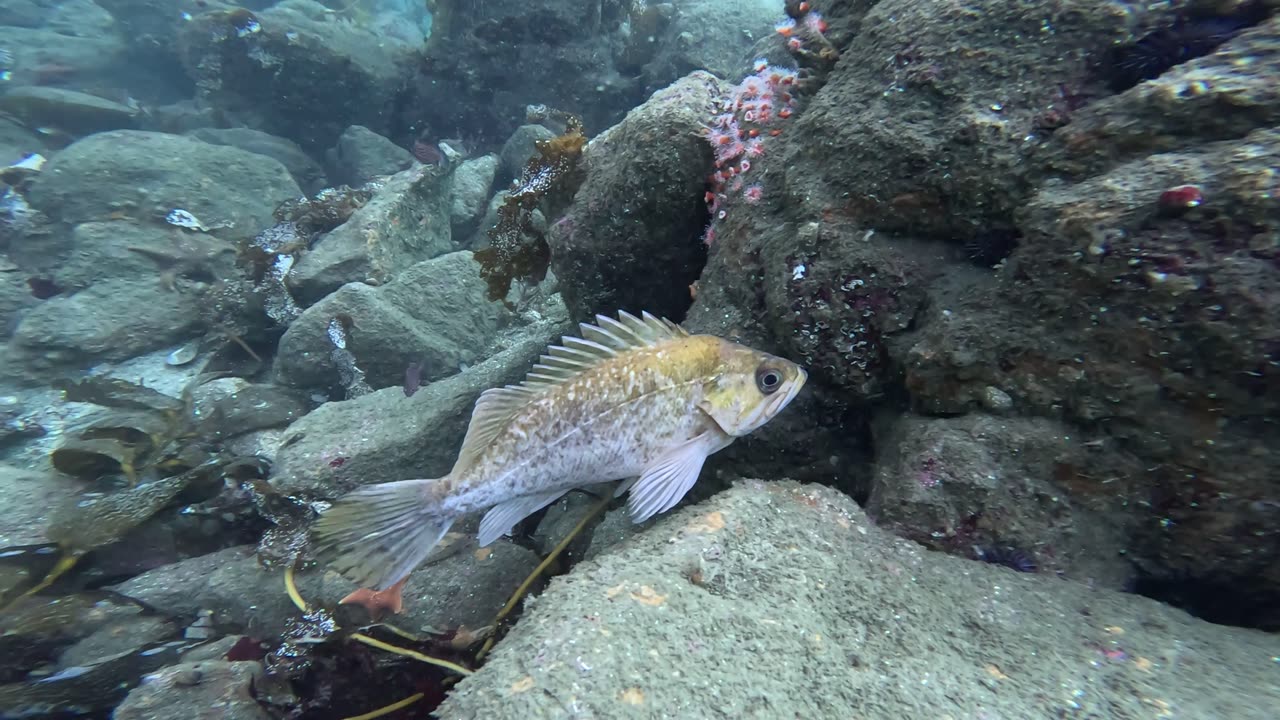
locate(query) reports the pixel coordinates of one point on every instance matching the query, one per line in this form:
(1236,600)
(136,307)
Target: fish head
(749,387)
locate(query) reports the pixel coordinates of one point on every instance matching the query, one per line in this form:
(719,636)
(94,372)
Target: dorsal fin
(496,407)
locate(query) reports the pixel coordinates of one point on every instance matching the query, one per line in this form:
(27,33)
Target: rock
(1169,113)
(504,55)
(980,484)
(384,435)
(1108,275)
(630,240)
(559,520)
(155,173)
(362,155)
(406,222)
(152,36)
(1139,321)
(15,296)
(295,71)
(434,313)
(610,529)
(670,40)
(870,626)
(27,496)
(230,407)
(614,529)
(113,320)
(466,587)
(68,111)
(996,400)
(519,147)
(215,650)
(75,42)
(125,634)
(45,637)
(472,188)
(139,20)
(200,690)
(128,251)
(184,116)
(305,171)
(932,141)
(230,582)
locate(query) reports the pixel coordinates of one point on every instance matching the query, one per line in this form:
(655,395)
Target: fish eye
(768,380)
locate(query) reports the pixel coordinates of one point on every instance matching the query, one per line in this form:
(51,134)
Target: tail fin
(378,534)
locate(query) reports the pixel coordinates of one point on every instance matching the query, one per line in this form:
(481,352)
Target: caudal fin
(378,534)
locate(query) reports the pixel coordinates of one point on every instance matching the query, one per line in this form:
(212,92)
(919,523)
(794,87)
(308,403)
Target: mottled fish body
(632,398)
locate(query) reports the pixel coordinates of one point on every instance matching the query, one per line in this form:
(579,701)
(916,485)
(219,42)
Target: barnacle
(518,250)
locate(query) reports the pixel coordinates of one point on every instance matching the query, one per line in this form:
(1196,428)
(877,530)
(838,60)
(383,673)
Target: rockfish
(631,398)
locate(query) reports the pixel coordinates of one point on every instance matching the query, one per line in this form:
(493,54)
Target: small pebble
(188,677)
(996,400)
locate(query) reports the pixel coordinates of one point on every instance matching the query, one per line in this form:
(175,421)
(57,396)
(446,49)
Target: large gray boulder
(775,599)
(145,175)
(631,240)
(433,315)
(112,320)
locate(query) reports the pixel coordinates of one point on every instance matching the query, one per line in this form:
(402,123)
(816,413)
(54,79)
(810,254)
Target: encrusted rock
(203,690)
(631,238)
(433,315)
(406,222)
(773,586)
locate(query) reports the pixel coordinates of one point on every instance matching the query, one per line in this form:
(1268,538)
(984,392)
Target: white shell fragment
(23,169)
(183,355)
(184,219)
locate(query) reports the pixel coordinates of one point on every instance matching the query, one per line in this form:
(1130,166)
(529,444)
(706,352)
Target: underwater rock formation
(630,240)
(405,222)
(150,174)
(294,70)
(787,600)
(1136,302)
(433,314)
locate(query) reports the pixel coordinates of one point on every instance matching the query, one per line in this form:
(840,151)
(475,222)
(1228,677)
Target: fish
(633,399)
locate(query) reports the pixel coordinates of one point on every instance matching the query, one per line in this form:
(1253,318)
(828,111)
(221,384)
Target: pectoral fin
(504,516)
(669,478)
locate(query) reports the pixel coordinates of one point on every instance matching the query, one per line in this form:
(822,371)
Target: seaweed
(116,393)
(160,446)
(331,666)
(518,249)
(267,259)
(145,430)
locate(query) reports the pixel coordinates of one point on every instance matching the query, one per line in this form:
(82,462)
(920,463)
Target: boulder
(788,601)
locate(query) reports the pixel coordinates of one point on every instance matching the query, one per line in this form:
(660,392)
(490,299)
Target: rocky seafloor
(254,257)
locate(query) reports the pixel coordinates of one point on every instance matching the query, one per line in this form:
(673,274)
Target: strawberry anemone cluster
(801,27)
(748,115)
